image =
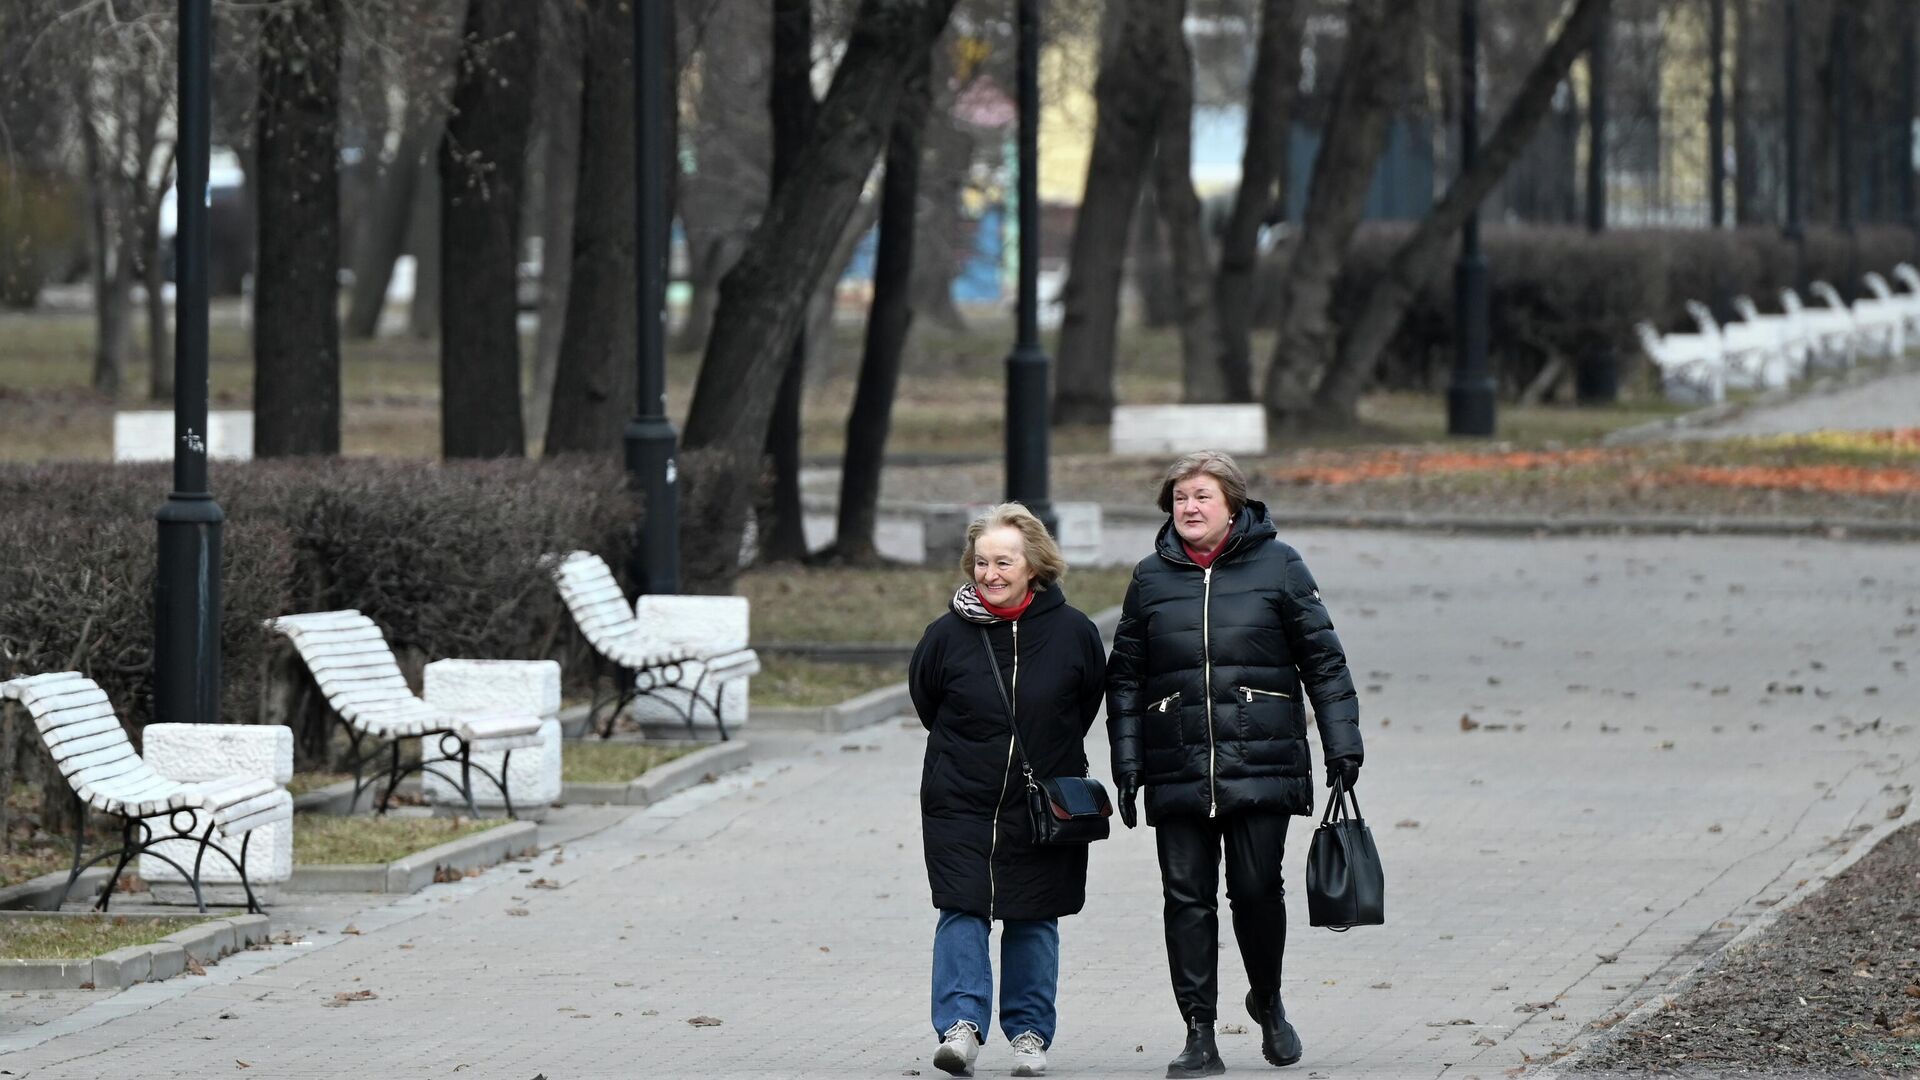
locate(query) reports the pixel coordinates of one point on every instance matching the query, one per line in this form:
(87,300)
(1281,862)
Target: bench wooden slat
(78,727)
(105,755)
(61,696)
(86,744)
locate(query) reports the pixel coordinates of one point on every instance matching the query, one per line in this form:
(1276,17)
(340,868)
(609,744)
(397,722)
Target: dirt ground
(1831,989)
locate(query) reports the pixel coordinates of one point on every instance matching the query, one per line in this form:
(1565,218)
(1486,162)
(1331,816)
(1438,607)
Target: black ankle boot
(1279,1043)
(1201,1057)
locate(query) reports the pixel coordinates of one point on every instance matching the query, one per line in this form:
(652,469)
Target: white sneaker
(957,1052)
(1029,1057)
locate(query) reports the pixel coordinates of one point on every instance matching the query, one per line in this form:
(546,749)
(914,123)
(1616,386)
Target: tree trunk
(296,323)
(594,384)
(153,262)
(423,239)
(383,232)
(1127,94)
(1201,376)
(557,107)
(888,321)
(1419,257)
(482,164)
(944,241)
(782,523)
(113,320)
(1263,168)
(763,298)
(1364,95)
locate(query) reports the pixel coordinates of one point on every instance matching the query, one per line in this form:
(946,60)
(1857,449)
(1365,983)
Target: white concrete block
(1078,532)
(194,752)
(705,624)
(147,435)
(1182,429)
(494,686)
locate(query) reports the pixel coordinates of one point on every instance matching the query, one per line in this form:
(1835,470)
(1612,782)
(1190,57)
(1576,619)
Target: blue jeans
(963,974)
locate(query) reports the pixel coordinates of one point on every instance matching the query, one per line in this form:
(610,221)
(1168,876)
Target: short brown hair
(1043,554)
(1214,463)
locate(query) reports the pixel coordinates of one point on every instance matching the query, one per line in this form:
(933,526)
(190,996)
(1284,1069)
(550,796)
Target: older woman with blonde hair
(1222,639)
(982,860)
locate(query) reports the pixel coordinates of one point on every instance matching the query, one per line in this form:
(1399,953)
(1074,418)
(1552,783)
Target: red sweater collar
(1205,558)
(1009,613)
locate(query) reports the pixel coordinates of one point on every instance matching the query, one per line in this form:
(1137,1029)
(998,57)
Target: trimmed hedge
(443,557)
(1559,290)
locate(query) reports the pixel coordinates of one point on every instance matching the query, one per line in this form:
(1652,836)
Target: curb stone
(121,968)
(663,780)
(1592,1039)
(41,893)
(415,872)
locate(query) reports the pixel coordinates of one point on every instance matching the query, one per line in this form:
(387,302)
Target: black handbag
(1063,809)
(1346,885)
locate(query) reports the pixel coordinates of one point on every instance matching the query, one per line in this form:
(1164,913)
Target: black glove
(1344,769)
(1129,790)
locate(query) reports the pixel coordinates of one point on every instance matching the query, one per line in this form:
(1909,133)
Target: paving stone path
(1891,401)
(1662,737)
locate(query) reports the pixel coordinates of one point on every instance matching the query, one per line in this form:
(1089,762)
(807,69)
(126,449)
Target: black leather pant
(1190,880)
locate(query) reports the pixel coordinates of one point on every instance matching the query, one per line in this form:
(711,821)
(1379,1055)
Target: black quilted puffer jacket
(981,858)
(1204,685)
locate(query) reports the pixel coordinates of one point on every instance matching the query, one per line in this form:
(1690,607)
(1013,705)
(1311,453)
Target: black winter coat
(980,854)
(1204,684)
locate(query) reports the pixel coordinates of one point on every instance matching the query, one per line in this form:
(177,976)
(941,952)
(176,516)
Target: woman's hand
(1344,769)
(1129,790)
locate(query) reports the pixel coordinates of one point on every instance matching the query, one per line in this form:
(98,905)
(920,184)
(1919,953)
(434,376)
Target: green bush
(443,557)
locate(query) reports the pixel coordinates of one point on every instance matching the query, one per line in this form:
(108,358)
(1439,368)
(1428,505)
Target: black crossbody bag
(1063,809)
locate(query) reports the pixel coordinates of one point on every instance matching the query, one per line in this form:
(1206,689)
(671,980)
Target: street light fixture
(651,443)
(1470,399)
(1027,432)
(186,587)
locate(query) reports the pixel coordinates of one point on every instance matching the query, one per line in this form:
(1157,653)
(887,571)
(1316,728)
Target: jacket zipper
(1163,704)
(1248,692)
(1206,652)
(1006,774)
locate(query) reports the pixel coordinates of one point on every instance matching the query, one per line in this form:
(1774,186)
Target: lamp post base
(1027,432)
(655,473)
(186,611)
(1470,408)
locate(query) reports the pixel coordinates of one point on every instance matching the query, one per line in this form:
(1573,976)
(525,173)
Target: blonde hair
(1043,554)
(1214,463)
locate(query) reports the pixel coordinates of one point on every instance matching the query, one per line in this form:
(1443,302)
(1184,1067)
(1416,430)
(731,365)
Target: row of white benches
(1767,352)
(357,672)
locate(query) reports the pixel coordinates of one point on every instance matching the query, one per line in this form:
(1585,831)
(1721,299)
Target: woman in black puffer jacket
(981,859)
(1221,630)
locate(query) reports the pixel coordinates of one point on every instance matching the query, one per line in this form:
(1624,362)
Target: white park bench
(1880,320)
(1910,278)
(1745,349)
(90,748)
(1786,354)
(1831,328)
(357,672)
(657,647)
(1693,367)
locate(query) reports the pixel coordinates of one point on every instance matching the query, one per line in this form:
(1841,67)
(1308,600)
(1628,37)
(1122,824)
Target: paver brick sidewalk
(1571,863)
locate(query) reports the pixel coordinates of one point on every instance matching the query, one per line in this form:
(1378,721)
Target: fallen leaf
(517,911)
(350,929)
(355,995)
(543,883)
(650,1012)
(1468,723)
(243,1064)
(194,967)
(1381,986)
(703,1021)
(1407,823)
(1715,828)
(1484,1041)
(1233,1029)
(1608,957)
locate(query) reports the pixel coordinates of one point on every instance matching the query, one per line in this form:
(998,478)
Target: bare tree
(1203,379)
(1263,170)
(762,299)
(482,165)
(557,107)
(1421,255)
(1128,94)
(888,321)
(593,389)
(296,324)
(1372,75)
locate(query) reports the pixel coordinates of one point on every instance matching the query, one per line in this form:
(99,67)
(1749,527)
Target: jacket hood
(1252,525)
(968,605)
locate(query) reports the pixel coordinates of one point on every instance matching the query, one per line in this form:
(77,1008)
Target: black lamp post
(650,439)
(1027,365)
(1596,377)
(1470,398)
(1909,74)
(1796,232)
(186,587)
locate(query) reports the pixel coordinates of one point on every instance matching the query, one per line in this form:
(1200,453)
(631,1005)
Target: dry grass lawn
(59,937)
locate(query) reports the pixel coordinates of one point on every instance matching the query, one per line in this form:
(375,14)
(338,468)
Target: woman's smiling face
(1000,570)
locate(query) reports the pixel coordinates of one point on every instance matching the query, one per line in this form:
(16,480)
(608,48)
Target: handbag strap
(993,665)
(1337,804)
